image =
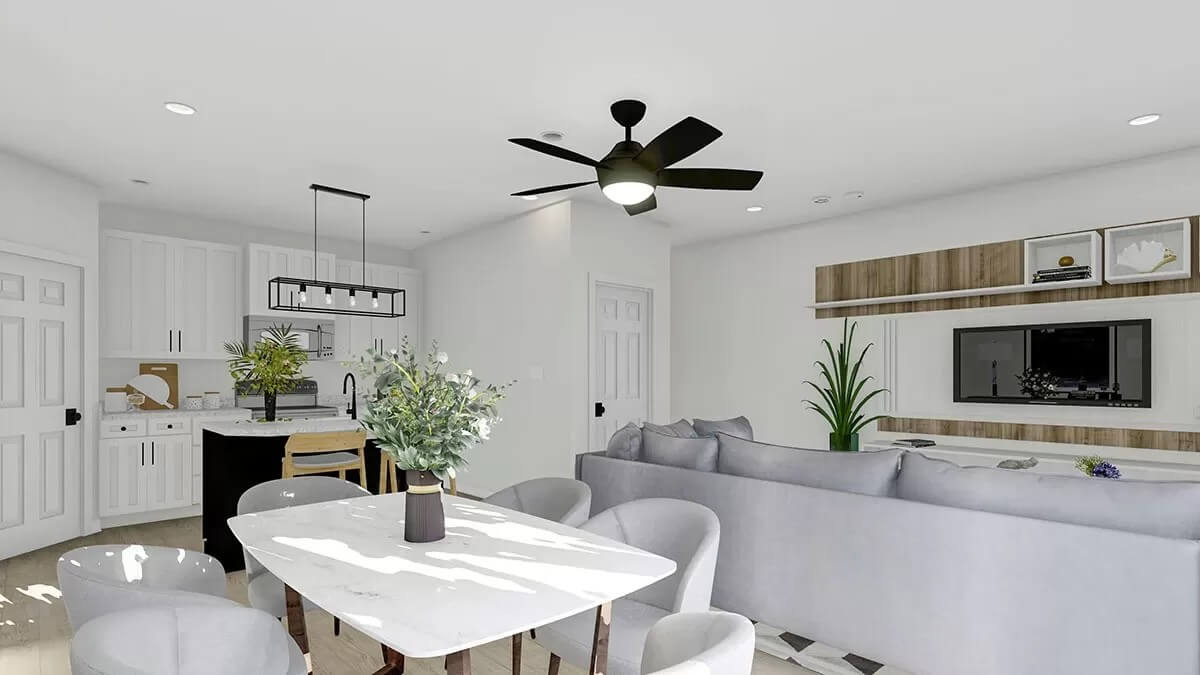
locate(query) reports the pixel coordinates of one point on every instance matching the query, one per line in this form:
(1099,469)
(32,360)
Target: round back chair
(562,500)
(699,643)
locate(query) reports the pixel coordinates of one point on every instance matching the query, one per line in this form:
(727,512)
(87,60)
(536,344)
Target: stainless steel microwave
(315,336)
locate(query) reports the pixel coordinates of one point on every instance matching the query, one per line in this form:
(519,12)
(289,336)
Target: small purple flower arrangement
(1098,467)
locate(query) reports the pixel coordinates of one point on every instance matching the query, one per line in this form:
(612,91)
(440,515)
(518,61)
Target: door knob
(74,416)
(599,409)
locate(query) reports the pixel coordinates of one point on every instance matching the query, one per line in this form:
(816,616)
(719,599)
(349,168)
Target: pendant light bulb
(374,299)
(328,295)
(303,294)
(353,300)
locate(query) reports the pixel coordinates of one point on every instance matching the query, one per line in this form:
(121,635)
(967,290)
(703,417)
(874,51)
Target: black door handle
(599,409)
(74,416)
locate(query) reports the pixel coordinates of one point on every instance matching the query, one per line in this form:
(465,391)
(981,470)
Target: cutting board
(168,372)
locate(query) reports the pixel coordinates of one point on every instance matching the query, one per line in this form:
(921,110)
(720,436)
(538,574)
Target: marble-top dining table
(496,574)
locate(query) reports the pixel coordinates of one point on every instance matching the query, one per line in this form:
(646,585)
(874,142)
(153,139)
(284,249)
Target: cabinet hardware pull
(170,340)
(151,453)
(143,454)
(179,341)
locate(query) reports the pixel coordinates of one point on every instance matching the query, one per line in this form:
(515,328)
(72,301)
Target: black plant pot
(424,519)
(269,404)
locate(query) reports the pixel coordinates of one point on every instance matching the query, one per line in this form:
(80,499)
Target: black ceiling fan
(629,173)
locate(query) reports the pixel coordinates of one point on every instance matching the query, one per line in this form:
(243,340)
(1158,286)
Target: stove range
(301,401)
(294,411)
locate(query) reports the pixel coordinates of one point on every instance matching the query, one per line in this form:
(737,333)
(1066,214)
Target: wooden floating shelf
(960,293)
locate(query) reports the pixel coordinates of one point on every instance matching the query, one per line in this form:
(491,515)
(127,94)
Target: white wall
(511,301)
(743,339)
(197,376)
(48,210)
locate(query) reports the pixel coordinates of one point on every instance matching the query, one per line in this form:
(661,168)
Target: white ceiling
(412,102)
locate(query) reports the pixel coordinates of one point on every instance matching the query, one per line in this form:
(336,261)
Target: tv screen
(1104,363)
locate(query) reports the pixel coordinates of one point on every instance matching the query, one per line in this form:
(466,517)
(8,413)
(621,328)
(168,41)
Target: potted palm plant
(842,396)
(426,418)
(272,365)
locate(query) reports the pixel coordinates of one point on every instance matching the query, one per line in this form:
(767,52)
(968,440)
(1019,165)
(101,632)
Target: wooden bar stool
(387,467)
(326,452)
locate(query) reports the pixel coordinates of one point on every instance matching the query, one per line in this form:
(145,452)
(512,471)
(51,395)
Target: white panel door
(168,471)
(191,300)
(41,353)
(154,286)
(620,360)
(122,476)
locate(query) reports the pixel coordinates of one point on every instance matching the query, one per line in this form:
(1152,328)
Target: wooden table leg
(393,662)
(459,663)
(599,662)
(296,625)
(516,654)
(555,662)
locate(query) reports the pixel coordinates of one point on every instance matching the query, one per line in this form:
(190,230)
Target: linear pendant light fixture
(290,294)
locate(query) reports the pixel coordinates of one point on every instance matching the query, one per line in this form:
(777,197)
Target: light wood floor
(34,633)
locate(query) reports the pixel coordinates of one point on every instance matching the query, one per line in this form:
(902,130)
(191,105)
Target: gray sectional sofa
(935,568)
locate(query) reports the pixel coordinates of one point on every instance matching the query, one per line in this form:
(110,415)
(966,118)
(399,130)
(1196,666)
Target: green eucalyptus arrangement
(424,415)
(272,365)
(842,397)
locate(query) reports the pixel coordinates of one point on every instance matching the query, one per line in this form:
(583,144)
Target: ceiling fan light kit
(290,294)
(631,173)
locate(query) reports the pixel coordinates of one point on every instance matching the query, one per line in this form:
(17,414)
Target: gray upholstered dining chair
(562,500)
(685,532)
(264,589)
(185,640)
(97,580)
(699,643)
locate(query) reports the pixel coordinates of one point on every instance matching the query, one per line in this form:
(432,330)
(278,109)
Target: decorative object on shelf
(136,400)
(1063,274)
(1044,257)
(292,294)
(1018,464)
(630,173)
(212,400)
(1097,467)
(1146,257)
(914,443)
(1037,383)
(159,382)
(272,365)
(842,397)
(116,399)
(426,418)
(195,402)
(1066,261)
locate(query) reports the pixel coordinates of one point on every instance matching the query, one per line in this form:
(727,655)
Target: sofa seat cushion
(1165,509)
(626,443)
(571,638)
(737,426)
(868,473)
(681,429)
(698,453)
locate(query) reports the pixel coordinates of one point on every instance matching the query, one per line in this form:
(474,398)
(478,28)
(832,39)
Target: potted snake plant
(841,390)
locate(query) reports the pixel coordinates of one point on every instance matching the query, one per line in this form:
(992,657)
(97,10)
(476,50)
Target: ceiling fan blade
(552,188)
(554,151)
(647,204)
(688,136)
(709,179)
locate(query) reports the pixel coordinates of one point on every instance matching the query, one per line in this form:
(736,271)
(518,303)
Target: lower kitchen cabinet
(145,474)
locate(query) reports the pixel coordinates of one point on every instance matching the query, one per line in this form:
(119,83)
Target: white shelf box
(1044,253)
(1132,252)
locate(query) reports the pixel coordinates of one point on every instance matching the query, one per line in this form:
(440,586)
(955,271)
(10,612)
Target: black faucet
(353,407)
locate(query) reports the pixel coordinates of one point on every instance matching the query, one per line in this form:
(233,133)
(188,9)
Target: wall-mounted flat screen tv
(1099,363)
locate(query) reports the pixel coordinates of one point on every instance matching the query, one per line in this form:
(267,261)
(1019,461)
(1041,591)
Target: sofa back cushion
(626,443)
(1165,509)
(688,453)
(679,429)
(737,426)
(868,473)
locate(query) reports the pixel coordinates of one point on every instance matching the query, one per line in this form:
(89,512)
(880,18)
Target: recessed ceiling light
(139,181)
(552,136)
(179,108)
(425,231)
(529,198)
(1142,120)
(754,209)
(853,195)
(822,199)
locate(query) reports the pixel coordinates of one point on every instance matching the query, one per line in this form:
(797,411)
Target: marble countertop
(497,573)
(138,414)
(283,427)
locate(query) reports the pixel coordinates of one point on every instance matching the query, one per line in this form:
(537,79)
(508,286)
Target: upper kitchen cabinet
(267,262)
(168,298)
(356,334)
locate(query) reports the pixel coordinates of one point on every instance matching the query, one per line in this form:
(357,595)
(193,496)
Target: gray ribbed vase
(424,519)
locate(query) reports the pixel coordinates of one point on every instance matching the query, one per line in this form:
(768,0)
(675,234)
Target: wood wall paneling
(1150,439)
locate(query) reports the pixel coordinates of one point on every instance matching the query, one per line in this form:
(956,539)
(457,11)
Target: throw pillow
(1161,508)
(737,426)
(867,473)
(688,453)
(626,443)
(680,429)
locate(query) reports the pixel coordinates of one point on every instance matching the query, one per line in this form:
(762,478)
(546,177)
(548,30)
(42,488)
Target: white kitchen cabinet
(198,425)
(356,334)
(122,476)
(149,463)
(267,262)
(167,298)
(168,471)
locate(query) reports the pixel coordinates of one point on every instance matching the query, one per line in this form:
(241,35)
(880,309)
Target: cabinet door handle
(170,340)
(143,454)
(179,340)
(151,453)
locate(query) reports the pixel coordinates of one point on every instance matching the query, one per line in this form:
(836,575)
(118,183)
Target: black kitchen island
(240,455)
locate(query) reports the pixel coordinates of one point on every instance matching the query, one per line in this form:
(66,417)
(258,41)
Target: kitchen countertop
(138,414)
(284,428)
